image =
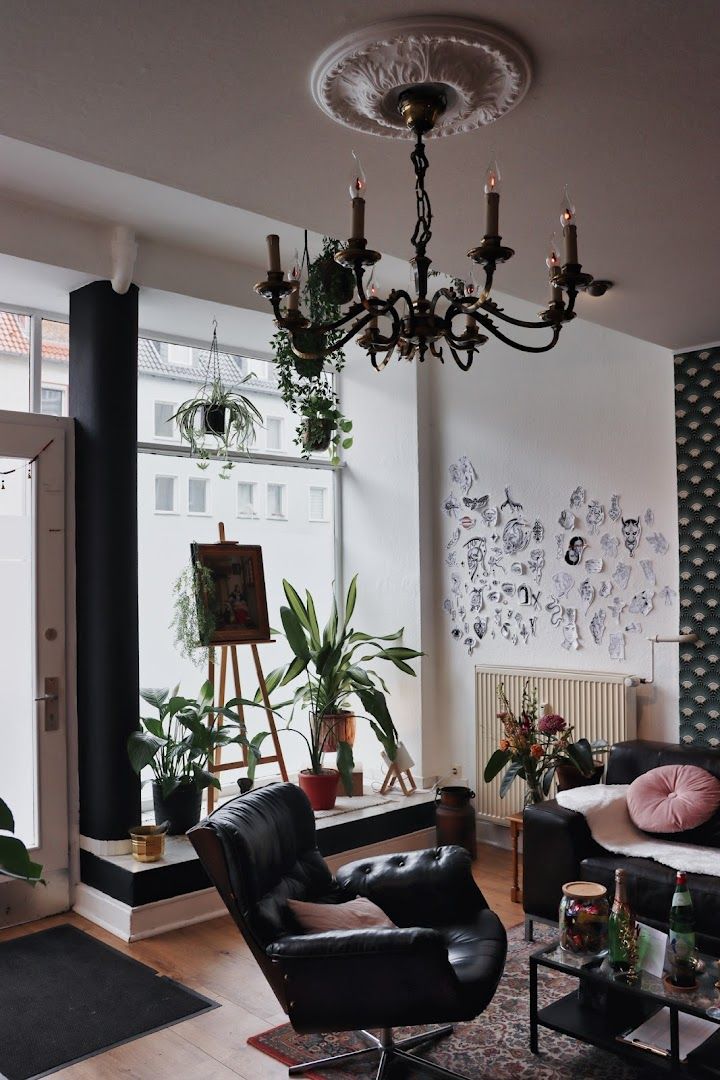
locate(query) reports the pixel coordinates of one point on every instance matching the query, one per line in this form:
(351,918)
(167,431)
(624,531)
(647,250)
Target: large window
(284,507)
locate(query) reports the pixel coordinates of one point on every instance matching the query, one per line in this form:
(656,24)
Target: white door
(34,699)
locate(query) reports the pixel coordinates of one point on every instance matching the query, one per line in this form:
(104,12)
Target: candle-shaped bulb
(273,246)
(295,275)
(553,257)
(492,199)
(358,181)
(357,189)
(492,177)
(567,209)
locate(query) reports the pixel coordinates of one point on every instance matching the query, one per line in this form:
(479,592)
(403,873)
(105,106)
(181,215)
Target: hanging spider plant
(218,419)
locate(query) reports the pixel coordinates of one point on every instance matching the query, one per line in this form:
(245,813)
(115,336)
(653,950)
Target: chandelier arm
(497,332)
(493,309)
(462,364)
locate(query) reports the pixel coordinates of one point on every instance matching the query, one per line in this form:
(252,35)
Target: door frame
(25,902)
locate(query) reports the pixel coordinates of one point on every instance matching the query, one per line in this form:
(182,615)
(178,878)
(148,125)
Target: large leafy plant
(334,667)
(15,861)
(179,742)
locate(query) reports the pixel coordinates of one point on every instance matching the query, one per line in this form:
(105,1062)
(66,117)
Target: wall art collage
(590,576)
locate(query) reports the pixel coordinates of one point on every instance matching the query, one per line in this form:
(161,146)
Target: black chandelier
(425,325)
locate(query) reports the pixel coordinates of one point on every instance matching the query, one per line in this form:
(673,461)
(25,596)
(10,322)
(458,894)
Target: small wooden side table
(516,827)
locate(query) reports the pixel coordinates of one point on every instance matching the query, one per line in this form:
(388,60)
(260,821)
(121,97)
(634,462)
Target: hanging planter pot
(338,282)
(214,420)
(317,434)
(309,341)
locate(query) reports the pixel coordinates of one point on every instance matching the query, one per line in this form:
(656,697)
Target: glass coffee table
(601,1009)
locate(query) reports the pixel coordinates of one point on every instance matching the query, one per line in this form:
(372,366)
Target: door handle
(49,698)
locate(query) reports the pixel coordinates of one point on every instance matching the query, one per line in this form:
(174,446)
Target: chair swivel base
(387,1051)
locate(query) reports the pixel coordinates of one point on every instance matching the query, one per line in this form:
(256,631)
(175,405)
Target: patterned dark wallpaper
(697,412)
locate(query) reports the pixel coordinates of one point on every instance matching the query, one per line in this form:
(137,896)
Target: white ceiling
(211,99)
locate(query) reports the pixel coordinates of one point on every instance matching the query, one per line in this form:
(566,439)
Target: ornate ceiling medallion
(481,72)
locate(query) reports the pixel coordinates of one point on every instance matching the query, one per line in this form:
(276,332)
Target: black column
(103,401)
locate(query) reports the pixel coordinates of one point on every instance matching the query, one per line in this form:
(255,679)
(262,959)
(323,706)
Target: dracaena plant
(179,742)
(334,668)
(15,861)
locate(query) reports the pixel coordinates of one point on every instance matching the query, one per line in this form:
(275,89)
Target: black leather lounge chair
(442,964)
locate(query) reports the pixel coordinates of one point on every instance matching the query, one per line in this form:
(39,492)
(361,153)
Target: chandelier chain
(422,234)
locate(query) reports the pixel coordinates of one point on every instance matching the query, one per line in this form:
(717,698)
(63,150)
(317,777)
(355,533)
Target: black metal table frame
(672,1065)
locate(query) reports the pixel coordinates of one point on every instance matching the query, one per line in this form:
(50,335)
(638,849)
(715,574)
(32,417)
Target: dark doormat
(65,996)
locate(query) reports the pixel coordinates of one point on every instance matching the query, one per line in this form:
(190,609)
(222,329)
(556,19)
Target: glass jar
(584,918)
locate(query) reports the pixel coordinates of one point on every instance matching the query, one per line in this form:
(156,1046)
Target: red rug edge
(254,1041)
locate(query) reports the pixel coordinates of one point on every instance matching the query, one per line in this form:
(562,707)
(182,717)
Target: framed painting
(236,604)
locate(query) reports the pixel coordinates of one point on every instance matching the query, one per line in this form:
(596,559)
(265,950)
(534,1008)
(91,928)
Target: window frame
(173,437)
(205,481)
(276,517)
(326,517)
(254,514)
(281,421)
(166,513)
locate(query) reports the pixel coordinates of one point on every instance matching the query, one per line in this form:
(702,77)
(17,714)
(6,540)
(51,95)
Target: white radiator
(596,705)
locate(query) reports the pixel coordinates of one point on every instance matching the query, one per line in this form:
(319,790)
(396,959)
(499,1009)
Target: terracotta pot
(320,788)
(568,777)
(338,727)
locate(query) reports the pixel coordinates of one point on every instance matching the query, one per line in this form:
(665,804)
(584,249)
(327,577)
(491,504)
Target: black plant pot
(245,784)
(181,808)
(317,433)
(309,341)
(214,419)
(338,281)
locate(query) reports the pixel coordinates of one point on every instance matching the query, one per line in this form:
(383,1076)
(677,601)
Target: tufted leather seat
(442,963)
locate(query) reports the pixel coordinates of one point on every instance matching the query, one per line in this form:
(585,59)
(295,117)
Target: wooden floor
(212,958)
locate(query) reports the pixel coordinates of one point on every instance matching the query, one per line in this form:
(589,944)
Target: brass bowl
(148,842)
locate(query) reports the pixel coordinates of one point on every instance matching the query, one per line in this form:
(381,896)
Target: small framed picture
(236,604)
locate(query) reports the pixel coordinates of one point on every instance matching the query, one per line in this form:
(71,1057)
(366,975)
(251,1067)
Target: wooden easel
(217,765)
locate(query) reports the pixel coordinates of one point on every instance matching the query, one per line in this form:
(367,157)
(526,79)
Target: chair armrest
(345,980)
(385,940)
(433,887)
(555,841)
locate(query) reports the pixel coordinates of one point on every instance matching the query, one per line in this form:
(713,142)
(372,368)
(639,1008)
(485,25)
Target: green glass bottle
(622,931)
(680,954)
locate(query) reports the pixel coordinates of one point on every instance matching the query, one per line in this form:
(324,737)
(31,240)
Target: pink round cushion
(673,798)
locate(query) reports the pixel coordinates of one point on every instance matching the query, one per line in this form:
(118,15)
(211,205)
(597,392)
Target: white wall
(596,411)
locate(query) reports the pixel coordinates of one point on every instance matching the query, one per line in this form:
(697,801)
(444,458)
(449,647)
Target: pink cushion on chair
(356,914)
(673,798)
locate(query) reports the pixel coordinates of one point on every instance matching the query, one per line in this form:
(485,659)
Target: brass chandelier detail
(460,317)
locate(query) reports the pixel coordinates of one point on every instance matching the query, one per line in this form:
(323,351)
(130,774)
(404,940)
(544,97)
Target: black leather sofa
(558,847)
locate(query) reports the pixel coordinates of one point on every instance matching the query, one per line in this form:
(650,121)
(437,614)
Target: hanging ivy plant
(192,619)
(306,386)
(218,419)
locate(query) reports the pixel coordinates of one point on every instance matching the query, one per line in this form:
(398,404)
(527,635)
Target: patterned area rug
(493,1047)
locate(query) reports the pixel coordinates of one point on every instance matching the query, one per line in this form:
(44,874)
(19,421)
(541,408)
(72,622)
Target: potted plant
(15,861)
(217,419)
(306,382)
(534,746)
(178,745)
(333,676)
(193,622)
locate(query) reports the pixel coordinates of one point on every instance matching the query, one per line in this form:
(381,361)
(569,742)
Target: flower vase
(533,795)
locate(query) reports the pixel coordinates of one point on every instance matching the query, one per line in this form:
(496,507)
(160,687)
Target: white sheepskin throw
(605,808)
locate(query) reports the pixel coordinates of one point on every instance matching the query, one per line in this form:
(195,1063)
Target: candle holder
(357,253)
(490,251)
(274,287)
